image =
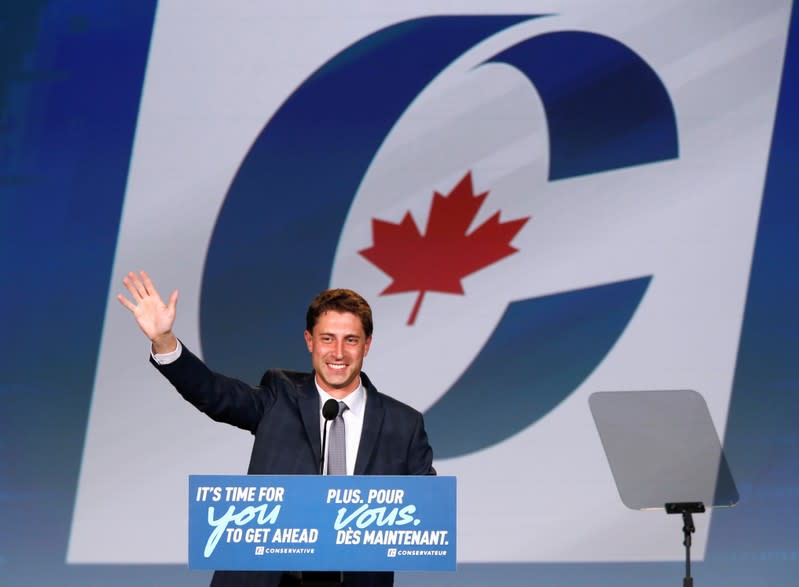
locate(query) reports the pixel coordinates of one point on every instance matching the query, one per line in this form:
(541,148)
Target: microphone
(329,412)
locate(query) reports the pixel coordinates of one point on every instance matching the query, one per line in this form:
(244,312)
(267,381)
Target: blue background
(70,85)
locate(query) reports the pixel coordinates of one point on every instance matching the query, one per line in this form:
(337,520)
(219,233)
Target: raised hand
(153,316)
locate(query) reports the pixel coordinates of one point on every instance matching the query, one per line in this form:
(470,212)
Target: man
(383,436)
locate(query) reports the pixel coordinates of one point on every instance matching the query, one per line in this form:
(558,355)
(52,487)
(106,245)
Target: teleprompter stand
(687,509)
(663,450)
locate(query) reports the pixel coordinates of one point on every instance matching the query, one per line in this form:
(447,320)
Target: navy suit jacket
(283,413)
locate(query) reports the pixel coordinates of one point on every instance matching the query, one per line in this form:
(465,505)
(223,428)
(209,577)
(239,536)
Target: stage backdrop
(540,202)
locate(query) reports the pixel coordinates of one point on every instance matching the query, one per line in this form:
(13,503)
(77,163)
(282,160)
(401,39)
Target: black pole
(687,529)
(687,509)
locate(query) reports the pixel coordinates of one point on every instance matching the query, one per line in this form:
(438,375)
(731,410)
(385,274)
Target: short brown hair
(340,300)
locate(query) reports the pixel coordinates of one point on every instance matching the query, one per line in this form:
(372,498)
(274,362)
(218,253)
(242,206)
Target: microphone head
(330,409)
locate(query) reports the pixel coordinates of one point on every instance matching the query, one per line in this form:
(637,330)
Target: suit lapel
(372,423)
(309,411)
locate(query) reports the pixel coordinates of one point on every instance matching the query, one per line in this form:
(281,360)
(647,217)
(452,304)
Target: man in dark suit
(383,435)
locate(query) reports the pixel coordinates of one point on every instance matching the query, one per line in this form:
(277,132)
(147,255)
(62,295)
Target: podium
(322,523)
(664,453)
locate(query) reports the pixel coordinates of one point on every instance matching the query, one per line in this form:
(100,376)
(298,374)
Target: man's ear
(308,341)
(367,346)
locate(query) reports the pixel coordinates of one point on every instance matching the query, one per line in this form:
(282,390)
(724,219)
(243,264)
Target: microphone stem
(324,442)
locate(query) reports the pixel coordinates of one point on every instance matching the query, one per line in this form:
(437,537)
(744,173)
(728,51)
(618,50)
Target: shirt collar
(355,400)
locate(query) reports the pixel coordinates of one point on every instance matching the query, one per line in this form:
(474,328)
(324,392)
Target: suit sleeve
(420,454)
(221,398)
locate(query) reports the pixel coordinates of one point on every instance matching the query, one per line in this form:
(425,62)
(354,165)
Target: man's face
(337,345)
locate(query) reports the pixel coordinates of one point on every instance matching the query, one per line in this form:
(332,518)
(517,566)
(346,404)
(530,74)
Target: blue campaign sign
(318,523)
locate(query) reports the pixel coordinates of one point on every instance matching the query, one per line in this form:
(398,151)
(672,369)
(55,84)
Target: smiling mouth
(336,366)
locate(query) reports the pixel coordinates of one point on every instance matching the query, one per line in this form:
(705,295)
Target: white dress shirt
(353,422)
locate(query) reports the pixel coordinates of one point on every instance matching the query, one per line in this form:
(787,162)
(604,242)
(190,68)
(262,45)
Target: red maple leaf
(439,259)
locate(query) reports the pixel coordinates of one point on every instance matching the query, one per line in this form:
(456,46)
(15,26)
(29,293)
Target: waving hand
(153,316)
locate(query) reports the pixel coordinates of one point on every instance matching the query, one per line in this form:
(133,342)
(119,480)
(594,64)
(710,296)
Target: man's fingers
(148,285)
(135,286)
(129,284)
(144,294)
(140,286)
(173,301)
(126,302)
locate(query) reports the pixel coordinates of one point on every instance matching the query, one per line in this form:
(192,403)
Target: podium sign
(322,523)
